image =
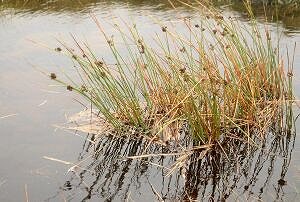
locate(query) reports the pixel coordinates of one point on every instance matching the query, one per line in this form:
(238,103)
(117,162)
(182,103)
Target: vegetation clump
(219,79)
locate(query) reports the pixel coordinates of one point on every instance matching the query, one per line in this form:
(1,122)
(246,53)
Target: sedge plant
(219,78)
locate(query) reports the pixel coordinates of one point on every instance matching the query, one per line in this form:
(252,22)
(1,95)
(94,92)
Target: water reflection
(244,173)
(57,6)
(287,14)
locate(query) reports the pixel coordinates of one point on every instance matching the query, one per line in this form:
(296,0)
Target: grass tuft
(219,79)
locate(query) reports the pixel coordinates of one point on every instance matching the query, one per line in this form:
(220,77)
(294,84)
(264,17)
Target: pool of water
(31,106)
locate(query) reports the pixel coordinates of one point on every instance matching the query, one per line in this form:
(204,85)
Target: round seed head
(70,88)
(182,70)
(83,88)
(58,49)
(182,49)
(110,42)
(53,76)
(99,63)
(220,17)
(142,49)
(102,74)
(290,74)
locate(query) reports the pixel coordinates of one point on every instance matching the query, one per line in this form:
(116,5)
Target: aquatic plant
(218,79)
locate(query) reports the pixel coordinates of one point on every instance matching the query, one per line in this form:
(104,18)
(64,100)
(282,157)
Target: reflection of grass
(53,6)
(243,172)
(221,79)
(285,12)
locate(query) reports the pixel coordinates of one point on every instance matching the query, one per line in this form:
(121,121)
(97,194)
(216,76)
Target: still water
(31,105)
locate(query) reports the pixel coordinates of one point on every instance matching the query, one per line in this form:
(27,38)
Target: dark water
(29,32)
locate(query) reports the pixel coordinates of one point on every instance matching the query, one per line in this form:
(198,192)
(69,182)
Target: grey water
(31,106)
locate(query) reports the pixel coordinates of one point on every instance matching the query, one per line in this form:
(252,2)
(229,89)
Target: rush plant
(215,78)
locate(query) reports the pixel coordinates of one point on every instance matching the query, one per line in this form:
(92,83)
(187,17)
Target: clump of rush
(222,80)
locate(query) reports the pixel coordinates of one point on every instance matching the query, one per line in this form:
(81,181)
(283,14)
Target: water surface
(29,33)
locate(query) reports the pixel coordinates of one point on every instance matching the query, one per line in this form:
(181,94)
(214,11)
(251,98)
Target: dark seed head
(182,70)
(223,33)
(164,29)
(186,78)
(290,74)
(102,74)
(70,88)
(53,76)
(182,49)
(197,26)
(83,88)
(110,42)
(99,63)
(74,57)
(142,50)
(214,31)
(58,49)
(220,17)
